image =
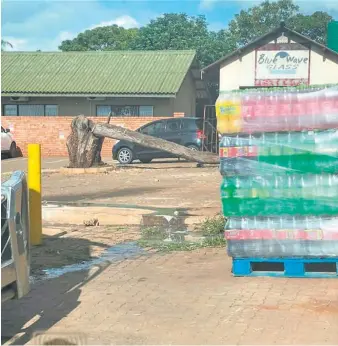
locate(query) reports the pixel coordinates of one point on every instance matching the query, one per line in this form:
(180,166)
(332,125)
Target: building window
(31,110)
(102,111)
(11,110)
(51,110)
(125,111)
(146,111)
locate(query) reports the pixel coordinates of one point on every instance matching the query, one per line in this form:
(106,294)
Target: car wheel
(145,160)
(12,150)
(193,147)
(125,156)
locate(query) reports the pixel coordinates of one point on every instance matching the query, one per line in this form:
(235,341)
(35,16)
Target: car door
(154,129)
(5,140)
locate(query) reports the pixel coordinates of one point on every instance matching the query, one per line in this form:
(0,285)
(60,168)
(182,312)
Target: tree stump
(84,149)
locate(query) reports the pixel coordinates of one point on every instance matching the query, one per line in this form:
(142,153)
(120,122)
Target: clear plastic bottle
(225,193)
(260,109)
(285,110)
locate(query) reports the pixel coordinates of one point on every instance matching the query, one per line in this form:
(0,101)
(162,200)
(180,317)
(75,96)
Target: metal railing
(211,139)
(15,261)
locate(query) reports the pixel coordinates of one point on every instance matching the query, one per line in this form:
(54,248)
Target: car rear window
(192,124)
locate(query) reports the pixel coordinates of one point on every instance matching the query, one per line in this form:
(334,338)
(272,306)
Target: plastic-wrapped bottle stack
(279,162)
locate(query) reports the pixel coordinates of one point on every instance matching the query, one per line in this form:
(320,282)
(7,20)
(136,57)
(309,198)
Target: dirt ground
(162,184)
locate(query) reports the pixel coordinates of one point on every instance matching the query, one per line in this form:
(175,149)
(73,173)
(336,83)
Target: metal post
(34,187)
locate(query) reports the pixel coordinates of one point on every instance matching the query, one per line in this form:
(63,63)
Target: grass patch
(153,233)
(210,234)
(162,246)
(213,226)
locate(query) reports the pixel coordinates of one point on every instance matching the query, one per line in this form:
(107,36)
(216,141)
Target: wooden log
(84,144)
(121,133)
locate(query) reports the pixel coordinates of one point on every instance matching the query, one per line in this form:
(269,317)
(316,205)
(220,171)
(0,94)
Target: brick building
(43,91)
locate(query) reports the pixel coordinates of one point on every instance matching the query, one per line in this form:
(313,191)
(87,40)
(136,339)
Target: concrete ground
(177,298)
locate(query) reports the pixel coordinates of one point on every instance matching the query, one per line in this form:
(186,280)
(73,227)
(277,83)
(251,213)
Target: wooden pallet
(286,267)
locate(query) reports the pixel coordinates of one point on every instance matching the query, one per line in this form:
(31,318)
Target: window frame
(138,108)
(163,127)
(25,104)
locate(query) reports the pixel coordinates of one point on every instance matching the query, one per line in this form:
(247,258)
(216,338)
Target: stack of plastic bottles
(279,162)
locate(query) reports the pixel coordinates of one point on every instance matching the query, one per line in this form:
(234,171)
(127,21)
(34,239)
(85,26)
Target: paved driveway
(178,298)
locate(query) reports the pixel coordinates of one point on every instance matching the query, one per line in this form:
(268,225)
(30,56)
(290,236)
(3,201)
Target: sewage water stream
(115,253)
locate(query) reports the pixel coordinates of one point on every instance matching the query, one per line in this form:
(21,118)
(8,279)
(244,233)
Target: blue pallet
(286,267)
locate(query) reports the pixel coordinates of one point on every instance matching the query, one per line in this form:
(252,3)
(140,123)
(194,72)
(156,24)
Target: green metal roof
(141,73)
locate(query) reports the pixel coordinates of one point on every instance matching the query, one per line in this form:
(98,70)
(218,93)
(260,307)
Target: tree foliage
(101,38)
(180,31)
(258,20)
(5,44)
(313,26)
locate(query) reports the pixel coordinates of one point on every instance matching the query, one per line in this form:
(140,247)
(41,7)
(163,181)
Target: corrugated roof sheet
(95,73)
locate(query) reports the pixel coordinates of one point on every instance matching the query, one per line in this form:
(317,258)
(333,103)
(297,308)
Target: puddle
(115,253)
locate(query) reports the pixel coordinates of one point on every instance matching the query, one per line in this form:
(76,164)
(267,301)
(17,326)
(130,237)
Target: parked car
(184,131)
(8,145)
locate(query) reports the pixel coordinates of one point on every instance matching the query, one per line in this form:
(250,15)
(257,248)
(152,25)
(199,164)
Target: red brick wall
(52,132)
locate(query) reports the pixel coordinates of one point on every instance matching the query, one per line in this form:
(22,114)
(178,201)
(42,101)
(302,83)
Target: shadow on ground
(134,191)
(49,300)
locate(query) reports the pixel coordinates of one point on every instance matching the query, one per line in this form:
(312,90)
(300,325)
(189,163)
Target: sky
(30,25)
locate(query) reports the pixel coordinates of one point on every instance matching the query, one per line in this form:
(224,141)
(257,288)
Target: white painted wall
(322,71)
(241,73)
(238,73)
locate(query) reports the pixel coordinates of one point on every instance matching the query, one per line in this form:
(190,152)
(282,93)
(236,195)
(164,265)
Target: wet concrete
(115,253)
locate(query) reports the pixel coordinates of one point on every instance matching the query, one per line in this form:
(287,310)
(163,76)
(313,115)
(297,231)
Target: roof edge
(23,94)
(282,28)
(113,52)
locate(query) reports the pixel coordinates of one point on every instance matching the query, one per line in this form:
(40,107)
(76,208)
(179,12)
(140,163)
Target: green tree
(260,19)
(313,26)
(5,44)
(102,38)
(179,31)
